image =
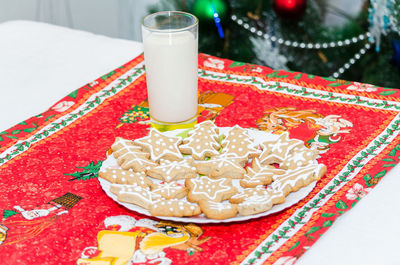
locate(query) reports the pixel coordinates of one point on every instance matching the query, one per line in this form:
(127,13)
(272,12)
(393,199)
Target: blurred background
(356,40)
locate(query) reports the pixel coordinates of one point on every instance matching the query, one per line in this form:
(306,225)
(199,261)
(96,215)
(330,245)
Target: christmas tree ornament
(290,9)
(211,10)
(394,18)
(206,9)
(396,56)
(379,19)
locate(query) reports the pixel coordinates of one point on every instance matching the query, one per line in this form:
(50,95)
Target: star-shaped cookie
(299,156)
(275,151)
(205,188)
(160,146)
(130,156)
(173,170)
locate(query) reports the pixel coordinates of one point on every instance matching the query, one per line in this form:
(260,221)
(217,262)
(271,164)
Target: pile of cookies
(219,175)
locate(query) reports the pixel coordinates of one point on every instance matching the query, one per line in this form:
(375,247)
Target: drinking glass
(170,41)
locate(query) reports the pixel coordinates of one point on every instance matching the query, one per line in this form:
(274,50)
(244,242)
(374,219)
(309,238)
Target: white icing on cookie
(168,189)
(143,193)
(297,178)
(202,141)
(169,171)
(243,148)
(170,149)
(218,185)
(279,148)
(128,154)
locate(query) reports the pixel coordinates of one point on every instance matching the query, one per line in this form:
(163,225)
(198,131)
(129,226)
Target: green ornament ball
(204,9)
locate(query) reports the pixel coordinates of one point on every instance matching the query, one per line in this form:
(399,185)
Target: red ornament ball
(290,9)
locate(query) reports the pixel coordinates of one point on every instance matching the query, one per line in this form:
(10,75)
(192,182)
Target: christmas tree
(291,35)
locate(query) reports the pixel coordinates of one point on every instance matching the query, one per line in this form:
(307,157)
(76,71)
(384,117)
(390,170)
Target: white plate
(259,137)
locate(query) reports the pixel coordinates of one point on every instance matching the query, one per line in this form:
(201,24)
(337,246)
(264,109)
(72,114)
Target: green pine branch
(90,171)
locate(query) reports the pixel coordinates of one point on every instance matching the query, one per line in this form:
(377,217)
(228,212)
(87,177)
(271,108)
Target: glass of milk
(170,41)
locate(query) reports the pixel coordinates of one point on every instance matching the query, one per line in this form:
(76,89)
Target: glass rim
(196,22)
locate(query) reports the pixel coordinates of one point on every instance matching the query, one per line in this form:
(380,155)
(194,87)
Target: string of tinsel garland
(318,45)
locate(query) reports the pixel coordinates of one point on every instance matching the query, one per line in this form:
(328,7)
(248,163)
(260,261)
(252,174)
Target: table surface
(38,59)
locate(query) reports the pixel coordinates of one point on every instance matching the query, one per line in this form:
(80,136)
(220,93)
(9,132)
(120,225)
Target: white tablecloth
(41,63)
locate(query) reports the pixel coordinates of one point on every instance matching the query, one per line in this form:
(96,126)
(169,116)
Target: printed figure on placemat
(210,105)
(20,224)
(316,130)
(142,241)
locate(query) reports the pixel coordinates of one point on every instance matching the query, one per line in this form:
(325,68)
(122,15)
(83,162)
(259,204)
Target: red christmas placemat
(53,210)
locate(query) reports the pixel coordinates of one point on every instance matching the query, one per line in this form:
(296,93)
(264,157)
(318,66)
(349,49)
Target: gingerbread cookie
(174,207)
(242,194)
(171,190)
(255,204)
(120,176)
(299,156)
(205,188)
(130,156)
(173,170)
(239,144)
(218,210)
(222,166)
(259,175)
(160,146)
(259,201)
(208,180)
(275,151)
(202,141)
(297,178)
(135,194)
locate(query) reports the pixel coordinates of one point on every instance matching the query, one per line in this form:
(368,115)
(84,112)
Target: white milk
(171,72)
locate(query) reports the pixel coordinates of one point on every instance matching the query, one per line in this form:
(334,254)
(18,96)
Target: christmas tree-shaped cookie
(202,141)
(239,144)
